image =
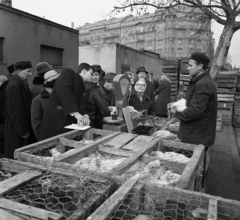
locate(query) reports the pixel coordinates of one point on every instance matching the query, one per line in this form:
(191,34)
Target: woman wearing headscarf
(162,96)
(40,101)
(140,100)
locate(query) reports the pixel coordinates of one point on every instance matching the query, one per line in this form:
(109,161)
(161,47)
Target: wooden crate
(191,172)
(134,200)
(40,152)
(35,192)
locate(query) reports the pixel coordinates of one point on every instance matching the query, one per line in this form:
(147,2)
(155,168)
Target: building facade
(24,36)
(174,36)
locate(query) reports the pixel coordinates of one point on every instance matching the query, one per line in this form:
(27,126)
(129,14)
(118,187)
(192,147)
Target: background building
(173,35)
(27,37)
(118,58)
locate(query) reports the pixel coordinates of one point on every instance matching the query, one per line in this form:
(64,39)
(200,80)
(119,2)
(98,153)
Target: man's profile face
(88,75)
(26,74)
(193,68)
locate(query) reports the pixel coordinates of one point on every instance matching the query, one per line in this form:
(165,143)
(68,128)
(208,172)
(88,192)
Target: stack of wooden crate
(183,84)
(236,112)
(226,87)
(172,72)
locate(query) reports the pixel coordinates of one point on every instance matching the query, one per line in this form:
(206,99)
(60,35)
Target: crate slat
(120,140)
(13,182)
(106,209)
(8,216)
(138,143)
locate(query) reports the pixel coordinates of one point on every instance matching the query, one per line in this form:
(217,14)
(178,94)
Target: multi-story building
(172,35)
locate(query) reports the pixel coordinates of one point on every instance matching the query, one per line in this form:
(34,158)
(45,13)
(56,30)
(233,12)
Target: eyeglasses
(140,85)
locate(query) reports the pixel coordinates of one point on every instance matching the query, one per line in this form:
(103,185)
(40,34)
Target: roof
(31,16)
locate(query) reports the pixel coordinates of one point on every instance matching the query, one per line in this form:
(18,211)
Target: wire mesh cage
(170,163)
(144,201)
(63,194)
(48,151)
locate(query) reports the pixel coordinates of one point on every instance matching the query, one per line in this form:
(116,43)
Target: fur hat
(42,68)
(110,76)
(200,58)
(22,65)
(142,69)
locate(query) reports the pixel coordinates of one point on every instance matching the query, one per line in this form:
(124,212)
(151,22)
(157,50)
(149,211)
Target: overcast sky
(89,11)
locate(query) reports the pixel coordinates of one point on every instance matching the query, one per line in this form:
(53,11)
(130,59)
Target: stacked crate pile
(226,87)
(183,84)
(236,112)
(171,70)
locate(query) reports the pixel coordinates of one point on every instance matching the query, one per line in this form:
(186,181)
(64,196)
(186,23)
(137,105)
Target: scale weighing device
(122,85)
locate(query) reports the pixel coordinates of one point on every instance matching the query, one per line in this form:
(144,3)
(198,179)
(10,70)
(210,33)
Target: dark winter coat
(91,87)
(3,89)
(150,90)
(198,120)
(37,85)
(68,96)
(146,104)
(17,115)
(97,109)
(163,93)
(38,105)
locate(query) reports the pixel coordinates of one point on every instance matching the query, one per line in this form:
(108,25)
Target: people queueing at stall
(85,95)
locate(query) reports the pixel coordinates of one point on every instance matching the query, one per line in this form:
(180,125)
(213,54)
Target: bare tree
(225,12)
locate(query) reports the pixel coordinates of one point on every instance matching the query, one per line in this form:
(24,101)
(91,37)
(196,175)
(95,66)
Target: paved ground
(223,177)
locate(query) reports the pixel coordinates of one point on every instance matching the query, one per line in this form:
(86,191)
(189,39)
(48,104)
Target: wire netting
(4,174)
(151,202)
(63,194)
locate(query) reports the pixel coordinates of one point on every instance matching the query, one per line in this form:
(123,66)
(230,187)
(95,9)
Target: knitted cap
(50,76)
(200,58)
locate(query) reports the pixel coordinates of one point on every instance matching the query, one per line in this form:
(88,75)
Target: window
(160,34)
(150,35)
(180,32)
(1,49)
(52,55)
(149,44)
(180,42)
(160,43)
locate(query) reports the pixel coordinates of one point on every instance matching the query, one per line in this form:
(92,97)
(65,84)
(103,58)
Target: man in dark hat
(100,100)
(37,85)
(198,120)
(142,73)
(18,129)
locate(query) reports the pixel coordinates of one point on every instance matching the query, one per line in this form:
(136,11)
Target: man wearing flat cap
(100,100)
(18,129)
(198,120)
(142,73)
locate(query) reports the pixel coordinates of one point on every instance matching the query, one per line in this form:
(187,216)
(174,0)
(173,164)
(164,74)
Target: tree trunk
(222,49)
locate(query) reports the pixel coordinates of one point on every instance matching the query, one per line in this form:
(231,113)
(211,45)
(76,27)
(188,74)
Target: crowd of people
(84,96)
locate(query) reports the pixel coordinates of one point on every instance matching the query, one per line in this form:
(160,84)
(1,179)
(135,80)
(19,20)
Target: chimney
(72,25)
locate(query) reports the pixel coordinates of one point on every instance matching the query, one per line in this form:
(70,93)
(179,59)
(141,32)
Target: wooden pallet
(162,202)
(24,173)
